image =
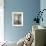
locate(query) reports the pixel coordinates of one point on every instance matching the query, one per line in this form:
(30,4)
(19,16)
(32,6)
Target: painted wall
(43,6)
(28,7)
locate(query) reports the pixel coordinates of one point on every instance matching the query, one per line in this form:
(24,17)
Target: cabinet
(39,35)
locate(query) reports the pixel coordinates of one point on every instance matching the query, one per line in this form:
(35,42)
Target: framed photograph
(17,18)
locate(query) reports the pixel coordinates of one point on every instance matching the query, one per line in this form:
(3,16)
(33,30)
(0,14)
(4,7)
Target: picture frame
(17,18)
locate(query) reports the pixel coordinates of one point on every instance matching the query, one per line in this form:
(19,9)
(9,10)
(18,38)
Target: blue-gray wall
(43,6)
(28,7)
